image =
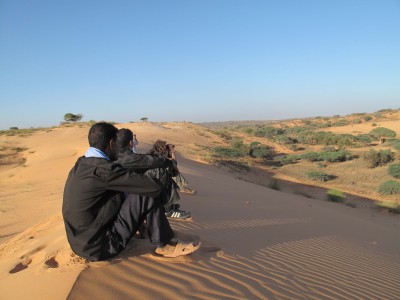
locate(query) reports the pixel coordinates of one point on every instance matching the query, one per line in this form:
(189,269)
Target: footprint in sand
(51,262)
(21,266)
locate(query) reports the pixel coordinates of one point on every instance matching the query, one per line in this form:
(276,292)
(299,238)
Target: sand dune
(257,243)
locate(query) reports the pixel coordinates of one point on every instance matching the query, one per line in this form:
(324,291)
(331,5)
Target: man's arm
(124,180)
(143,162)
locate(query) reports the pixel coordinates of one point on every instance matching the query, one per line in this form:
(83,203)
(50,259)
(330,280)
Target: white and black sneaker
(178,214)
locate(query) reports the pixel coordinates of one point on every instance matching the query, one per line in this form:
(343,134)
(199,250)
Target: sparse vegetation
(324,144)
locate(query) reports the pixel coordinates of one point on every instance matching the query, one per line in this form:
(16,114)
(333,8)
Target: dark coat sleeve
(121,179)
(142,162)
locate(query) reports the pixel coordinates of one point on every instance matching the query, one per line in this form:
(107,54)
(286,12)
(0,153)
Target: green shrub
(268,132)
(228,152)
(394,170)
(390,187)
(341,123)
(237,144)
(335,156)
(377,159)
(382,132)
(284,139)
(374,125)
(311,156)
(395,143)
(335,195)
(287,159)
(364,138)
(260,151)
(248,130)
(367,118)
(318,176)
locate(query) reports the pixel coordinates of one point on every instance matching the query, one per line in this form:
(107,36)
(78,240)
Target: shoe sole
(183,250)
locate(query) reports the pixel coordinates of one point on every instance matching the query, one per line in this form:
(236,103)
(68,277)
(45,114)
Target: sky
(196,60)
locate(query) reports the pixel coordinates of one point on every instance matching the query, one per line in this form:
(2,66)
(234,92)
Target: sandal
(178,250)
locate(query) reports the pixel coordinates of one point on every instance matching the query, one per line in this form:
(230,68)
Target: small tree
(144,119)
(70,117)
(382,133)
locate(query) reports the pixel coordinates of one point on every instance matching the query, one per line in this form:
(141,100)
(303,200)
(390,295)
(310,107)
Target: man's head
(125,137)
(103,136)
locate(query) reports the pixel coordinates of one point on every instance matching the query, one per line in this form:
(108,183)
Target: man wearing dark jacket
(153,166)
(104,204)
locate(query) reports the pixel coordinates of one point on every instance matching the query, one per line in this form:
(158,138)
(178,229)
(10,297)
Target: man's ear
(130,144)
(111,144)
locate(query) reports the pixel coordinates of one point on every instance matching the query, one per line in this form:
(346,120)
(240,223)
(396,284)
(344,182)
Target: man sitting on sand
(100,218)
(154,166)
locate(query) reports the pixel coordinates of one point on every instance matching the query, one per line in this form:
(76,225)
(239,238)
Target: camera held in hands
(169,149)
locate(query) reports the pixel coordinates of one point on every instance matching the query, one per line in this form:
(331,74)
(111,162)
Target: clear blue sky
(196,60)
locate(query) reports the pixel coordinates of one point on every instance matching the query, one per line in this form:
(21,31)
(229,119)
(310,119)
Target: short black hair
(125,135)
(100,135)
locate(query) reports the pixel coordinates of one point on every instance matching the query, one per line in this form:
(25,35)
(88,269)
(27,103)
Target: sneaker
(178,214)
(188,191)
(178,250)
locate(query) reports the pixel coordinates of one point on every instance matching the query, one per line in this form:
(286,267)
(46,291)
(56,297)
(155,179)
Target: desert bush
(335,195)
(335,156)
(382,132)
(325,138)
(268,132)
(364,139)
(390,187)
(287,159)
(341,123)
(394,170)
(284,139)
(377,158)
(262,152)
(311,156)
(227,152)
(238,144)
(318,176)
(367,118)
(248,130)
(395,143)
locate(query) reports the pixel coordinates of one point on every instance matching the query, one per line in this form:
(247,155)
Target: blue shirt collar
(94,152)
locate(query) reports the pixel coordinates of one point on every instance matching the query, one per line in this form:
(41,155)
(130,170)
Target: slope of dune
(257,243)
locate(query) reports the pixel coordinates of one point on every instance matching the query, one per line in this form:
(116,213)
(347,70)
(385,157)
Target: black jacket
(93,195)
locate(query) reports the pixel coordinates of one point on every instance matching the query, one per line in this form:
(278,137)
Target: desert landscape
(291,209)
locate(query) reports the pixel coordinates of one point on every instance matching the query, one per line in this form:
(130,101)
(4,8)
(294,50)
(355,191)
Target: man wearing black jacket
(104,204)
(153,166)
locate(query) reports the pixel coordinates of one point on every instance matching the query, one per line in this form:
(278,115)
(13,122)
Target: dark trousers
(134,211)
